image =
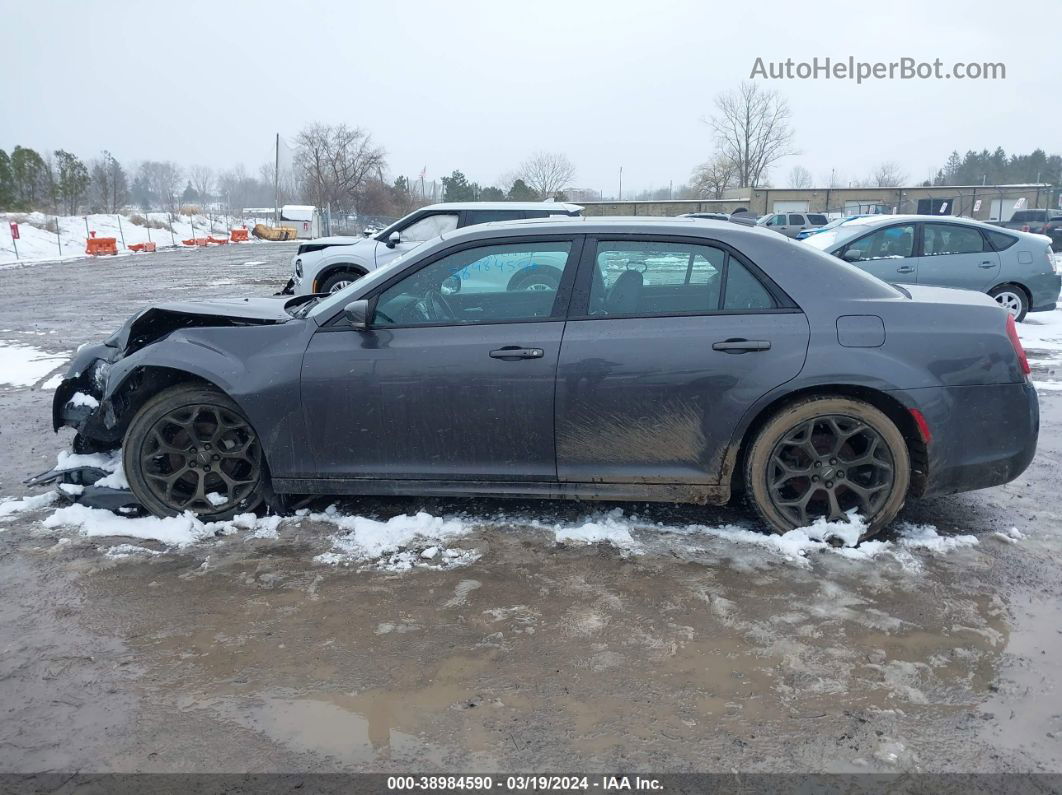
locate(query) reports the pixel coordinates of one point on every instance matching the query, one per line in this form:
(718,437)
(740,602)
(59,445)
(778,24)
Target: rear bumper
(982,435)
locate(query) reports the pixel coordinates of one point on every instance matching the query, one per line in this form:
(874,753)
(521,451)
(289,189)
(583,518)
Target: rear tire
(1012,298)
(190,448)
(831,454)
(337,281)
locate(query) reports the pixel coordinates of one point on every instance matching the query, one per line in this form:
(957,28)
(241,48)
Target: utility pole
(276,185)
(621,184)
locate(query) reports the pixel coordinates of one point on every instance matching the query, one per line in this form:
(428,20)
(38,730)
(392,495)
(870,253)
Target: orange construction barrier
(239,235)
(196,241)
(101,245)
(142,247)
(218,241)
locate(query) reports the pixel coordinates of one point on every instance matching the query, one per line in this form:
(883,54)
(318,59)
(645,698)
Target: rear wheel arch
(1015,286)
(884,402)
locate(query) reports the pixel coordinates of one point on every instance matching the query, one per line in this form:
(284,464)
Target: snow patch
(396,544)
(24,365)
(81,399)
(10,506)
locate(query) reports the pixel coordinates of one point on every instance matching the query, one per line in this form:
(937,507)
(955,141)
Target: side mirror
(394,240)
(366,232)
(357,314)
(450,285)
(852,255)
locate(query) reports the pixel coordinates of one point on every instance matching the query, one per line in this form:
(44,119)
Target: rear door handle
(741,346)
(514,353)
(905,269)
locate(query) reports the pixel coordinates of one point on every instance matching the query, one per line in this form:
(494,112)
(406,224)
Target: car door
(454,378)
(669,342)
(888,253)
(957,255)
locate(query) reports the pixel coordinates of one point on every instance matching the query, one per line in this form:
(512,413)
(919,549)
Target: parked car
(738,218)
(331,263)
(814,230)
(676,361)
(791,224)
(1016,268)
(1043,222)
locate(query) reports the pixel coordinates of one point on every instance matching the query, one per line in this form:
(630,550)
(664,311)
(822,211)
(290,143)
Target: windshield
(828,238)
(329,304)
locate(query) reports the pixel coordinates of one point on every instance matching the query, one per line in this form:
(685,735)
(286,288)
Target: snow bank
(24,365)
(37,244)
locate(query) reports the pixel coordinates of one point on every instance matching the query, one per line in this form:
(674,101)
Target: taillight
(1012,332)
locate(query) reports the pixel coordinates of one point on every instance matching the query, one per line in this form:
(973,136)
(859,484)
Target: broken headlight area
(94,480)
(79,402)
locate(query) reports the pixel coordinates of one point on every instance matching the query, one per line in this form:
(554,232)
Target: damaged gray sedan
(663,360)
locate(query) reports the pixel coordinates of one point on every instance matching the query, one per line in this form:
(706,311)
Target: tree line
(334,166)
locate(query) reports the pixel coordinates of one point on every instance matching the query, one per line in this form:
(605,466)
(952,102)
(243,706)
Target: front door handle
(905,269)
(987,264)
(741,346)
(512,353)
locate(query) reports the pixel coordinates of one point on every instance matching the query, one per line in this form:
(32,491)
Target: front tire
(1012,298)
(190,448)
(337,281)
(823,457)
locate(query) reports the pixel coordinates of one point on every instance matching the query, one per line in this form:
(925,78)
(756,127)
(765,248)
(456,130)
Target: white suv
(331,263)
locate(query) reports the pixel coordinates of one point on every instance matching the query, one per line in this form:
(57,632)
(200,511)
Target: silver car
(792,224)
(1016,268)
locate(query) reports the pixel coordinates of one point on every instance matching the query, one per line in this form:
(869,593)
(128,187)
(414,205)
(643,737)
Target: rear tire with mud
(190,448)
(823,457)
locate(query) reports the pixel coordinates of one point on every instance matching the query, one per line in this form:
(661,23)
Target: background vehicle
(791,224)
(329,264)
(1016,268)
(1043,222)
(676,361)
(814,230)
(738,218)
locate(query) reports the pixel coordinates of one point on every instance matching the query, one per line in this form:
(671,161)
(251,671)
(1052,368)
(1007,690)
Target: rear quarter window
(1000,241)
(817,219)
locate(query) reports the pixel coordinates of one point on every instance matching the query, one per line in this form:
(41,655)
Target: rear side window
(942,239)
(1000,241)
(473,217)
(646,279)
(796,220)
(817,219)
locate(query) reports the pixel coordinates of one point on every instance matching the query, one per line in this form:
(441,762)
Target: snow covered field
(38,244)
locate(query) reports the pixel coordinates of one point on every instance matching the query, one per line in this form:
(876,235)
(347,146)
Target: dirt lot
(684,645)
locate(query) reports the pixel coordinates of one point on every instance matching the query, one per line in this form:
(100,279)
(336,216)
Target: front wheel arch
(340,267)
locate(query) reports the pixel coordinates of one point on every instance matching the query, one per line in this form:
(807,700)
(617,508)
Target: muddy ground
(698,654)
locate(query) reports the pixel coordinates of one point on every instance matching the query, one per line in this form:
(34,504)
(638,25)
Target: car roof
(615,224)
(514,206)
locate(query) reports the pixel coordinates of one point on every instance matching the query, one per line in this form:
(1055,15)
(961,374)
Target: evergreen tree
(7,182)
(520,192)
(72,181)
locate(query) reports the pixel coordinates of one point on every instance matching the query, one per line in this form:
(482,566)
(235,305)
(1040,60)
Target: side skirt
(700,494)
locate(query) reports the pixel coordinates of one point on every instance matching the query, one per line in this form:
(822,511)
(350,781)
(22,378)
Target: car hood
(338,240)
(155,322)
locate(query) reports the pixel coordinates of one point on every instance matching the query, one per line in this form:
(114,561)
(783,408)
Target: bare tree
(202,178)
(110,186)
(163,179)
(752,129)
(712,179)
(334,163)
(888,175)
(547,173)
(799,177)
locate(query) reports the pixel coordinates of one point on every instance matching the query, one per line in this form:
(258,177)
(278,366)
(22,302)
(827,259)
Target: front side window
(777,220)
(486,284)
(942,239)
(892,242)
(651,278)
(429,227)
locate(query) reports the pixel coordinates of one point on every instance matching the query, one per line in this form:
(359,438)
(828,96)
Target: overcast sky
(478,86)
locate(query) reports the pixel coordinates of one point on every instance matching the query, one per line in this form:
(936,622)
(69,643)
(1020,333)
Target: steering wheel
(434,306)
